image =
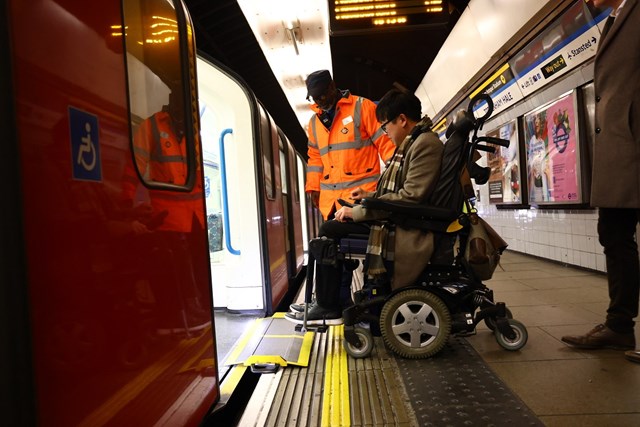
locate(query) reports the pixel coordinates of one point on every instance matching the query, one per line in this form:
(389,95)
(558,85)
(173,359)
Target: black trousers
(616,230)
(333,283)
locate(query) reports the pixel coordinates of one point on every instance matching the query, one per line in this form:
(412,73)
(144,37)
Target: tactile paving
(457,388)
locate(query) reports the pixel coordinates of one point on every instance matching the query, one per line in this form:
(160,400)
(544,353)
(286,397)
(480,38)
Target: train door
(301,167)
(243,193)
(292,205)
(117,278)
(273,216)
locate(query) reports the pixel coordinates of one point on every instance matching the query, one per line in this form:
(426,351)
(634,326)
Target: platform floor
(562,386)
(546,382)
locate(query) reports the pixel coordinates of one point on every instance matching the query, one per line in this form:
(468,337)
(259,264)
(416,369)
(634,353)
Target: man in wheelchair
(411,176)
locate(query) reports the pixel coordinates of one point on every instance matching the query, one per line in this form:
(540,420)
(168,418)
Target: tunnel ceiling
(368,65)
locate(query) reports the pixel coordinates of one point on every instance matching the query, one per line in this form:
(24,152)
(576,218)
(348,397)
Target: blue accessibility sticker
(85,145)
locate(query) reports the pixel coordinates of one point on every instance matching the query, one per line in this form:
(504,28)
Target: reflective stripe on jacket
(347,155)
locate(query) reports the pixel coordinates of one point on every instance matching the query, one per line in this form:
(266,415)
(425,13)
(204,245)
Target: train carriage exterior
(104,283)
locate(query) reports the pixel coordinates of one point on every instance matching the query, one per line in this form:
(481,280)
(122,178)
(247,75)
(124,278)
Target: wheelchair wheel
(491,322)
(415,324)
(518,342)
(366,344)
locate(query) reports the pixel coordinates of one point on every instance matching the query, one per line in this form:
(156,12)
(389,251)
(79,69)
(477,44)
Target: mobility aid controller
(448,297)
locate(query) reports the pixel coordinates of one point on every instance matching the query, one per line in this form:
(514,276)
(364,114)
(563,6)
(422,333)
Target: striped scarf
(381,244)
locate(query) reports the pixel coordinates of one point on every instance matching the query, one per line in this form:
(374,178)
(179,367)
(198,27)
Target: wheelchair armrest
(354,244)
(411,210)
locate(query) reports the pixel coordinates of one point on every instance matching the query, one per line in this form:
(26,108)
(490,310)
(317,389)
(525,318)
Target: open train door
(244,194)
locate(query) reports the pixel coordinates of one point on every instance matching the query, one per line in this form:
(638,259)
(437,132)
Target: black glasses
(384,125)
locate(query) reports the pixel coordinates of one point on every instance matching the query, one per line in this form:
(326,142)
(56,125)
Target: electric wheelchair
(448,297)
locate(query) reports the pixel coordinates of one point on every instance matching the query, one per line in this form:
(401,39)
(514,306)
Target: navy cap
(317,82)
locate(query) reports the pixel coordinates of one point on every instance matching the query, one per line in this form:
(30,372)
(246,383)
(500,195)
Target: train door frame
(17,389)
(293,206)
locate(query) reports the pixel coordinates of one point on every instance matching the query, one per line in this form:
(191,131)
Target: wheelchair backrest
(460,151)
(449,192)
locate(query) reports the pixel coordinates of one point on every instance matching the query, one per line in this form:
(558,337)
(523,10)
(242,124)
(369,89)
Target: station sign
(567,43)
(503,90)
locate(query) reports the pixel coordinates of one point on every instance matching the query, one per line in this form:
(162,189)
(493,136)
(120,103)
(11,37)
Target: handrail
(225,197)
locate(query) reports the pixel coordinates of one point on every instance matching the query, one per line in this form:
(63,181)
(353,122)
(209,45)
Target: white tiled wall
(568,236)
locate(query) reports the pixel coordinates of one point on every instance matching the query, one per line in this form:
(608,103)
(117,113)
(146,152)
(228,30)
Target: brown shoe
(602,337)
(633,355)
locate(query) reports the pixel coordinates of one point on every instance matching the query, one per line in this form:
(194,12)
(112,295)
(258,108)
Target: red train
(138,199)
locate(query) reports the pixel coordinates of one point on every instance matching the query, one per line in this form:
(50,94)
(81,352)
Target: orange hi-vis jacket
(347,155)
(161,157)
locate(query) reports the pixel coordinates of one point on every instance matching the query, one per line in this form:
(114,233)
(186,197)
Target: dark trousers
(616,230)
(333,283)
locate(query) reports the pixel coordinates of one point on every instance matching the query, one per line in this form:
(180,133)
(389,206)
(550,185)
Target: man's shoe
(299,308)
(633,355)
(602,337)
(316,315)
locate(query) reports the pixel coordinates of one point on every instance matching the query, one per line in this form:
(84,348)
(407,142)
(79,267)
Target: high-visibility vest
(161,156)
(347,155)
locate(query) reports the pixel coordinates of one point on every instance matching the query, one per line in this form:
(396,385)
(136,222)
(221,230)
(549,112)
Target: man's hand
(315,198)
(359,194)
(139,228)
(343,214)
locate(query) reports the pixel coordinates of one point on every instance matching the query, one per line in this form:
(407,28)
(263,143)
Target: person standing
(616,174)
(345,144)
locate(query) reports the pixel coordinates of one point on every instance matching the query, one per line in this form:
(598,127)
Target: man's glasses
(384,125)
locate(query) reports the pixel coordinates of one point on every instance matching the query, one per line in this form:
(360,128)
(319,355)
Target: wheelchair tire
(491,322)
(366,347)
(513,344)
(415,324)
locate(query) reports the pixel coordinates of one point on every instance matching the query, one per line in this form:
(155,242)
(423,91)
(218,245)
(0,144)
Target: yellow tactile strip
(336,409)
(337,390)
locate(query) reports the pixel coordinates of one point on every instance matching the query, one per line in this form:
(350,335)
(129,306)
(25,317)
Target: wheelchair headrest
(463,122)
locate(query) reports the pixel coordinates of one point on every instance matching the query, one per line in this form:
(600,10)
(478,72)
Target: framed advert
(505,186)
(553,153)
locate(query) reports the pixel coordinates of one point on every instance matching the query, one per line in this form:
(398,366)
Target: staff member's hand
(344,214)
(315,198)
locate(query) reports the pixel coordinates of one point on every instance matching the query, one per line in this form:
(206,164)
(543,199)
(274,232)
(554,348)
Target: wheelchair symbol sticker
(85,145)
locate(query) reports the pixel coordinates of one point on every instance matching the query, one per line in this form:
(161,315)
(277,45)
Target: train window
(159,47)
(294,171)
(283,169)
(266,141)
(213,199)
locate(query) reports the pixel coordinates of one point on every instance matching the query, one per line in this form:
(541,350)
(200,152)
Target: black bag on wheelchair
(324,251)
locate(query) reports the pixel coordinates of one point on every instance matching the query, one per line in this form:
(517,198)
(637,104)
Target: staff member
(345,144)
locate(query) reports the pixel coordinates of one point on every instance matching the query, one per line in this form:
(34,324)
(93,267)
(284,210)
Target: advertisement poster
(504,182)
(551,136)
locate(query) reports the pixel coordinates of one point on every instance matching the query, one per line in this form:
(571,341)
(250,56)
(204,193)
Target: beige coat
(616,154)
(420,172)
